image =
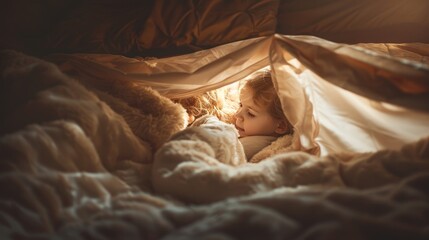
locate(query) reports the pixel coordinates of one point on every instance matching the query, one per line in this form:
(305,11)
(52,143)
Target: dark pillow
(203,24)
(356,21)
(166,27)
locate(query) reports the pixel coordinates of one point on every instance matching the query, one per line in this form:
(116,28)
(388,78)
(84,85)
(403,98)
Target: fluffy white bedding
(77,163)
(205,163)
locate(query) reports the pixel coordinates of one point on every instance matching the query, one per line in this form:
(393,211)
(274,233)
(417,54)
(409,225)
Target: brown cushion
(164,27)
(353,21)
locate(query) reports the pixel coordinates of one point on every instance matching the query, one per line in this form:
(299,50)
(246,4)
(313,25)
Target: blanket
(74,166)
(50,118)
(206,163)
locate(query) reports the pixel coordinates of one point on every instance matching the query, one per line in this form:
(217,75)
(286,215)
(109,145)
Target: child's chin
(241,133)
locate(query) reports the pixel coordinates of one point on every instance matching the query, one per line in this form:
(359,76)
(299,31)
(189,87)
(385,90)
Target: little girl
(260,119)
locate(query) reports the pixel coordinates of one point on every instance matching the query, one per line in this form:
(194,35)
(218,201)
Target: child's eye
(250,114)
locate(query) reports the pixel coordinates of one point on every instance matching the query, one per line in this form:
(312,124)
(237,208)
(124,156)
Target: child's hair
(265,95)
(209,103)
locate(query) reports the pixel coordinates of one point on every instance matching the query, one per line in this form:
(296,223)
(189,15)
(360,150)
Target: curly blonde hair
(213,102)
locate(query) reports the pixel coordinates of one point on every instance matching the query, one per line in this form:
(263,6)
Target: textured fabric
(324,87)
(254,144)
(166,27)
(142,28)
(356,21)
(72,167)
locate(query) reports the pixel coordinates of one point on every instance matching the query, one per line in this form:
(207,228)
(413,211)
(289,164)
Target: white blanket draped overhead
(338,97)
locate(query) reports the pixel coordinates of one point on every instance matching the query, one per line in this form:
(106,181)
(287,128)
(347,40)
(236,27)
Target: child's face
(252,119)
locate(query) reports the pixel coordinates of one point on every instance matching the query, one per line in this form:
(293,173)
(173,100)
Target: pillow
(162,28)
(204,24)
(353,21)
